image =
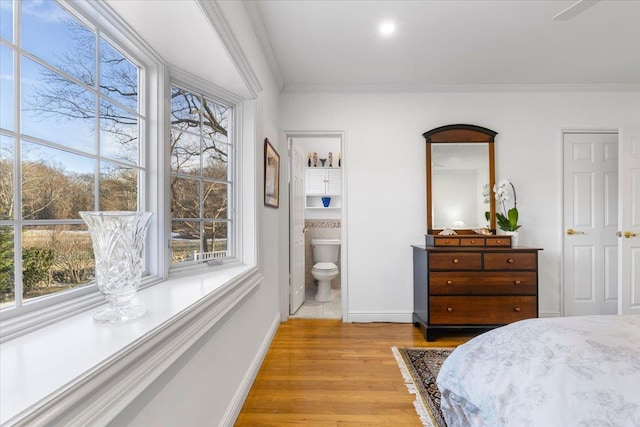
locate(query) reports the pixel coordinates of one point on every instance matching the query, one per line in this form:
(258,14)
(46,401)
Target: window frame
(195,85)
(156,80)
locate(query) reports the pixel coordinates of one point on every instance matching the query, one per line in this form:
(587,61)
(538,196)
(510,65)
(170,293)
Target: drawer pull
(510,261)
(517,309)
(449,282)
(517,282)
(449,309)
(456,261)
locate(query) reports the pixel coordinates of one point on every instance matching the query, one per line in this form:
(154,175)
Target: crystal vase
(118,240)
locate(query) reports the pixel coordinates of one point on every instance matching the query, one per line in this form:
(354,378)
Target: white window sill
(80,371)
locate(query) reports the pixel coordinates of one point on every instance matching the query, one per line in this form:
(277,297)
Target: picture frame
(271,175)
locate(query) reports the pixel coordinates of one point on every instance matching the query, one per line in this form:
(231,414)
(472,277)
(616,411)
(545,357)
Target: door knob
(571,232)
(619,233)
(629,234)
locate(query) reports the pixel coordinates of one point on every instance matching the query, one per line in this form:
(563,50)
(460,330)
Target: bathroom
(323,218)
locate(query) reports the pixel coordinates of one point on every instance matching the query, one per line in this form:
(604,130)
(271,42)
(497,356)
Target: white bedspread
(571,371)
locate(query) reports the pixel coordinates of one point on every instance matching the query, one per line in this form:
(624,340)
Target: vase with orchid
(508,218)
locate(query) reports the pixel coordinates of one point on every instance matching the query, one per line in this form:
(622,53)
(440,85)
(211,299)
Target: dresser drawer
(499,241)
(510,261)
(479,310)
(455,261)
(446,241)
(472,241)
(483,283)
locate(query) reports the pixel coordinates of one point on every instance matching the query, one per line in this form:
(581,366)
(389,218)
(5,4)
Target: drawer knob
(517,282)
(510,261)
(446,242)
(449,282)
(498,242)
(517,309)
(456,261)
(449,309)
(473,242)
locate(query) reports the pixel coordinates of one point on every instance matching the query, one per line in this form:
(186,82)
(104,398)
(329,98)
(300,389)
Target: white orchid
(508,219)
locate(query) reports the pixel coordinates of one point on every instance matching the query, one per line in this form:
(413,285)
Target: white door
(296,232)
(590,223)
(629,220)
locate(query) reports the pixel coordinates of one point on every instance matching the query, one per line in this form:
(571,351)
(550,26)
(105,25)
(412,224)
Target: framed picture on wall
(271,175)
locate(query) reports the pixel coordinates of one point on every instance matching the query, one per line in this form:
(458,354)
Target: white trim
(234,408)
(214,14)
(251,6)
(361,317)
(452,88)
(98,395)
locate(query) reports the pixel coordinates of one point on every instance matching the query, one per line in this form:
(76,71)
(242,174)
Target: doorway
(590,217)
(317,210)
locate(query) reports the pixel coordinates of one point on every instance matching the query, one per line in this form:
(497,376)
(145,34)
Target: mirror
(460,163)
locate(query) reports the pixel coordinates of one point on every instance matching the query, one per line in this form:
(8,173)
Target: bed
(569,371)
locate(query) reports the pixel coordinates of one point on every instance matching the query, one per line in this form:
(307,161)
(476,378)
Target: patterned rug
(420,367)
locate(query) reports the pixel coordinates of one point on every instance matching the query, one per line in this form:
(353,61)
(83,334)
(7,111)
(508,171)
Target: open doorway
(317,226)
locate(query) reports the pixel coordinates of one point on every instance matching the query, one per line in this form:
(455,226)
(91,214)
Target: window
(202,156)
(70,140)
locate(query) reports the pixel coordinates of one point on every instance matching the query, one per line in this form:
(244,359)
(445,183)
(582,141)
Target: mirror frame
(460,134)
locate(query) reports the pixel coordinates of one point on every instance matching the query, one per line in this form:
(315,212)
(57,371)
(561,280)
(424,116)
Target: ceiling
(329,45)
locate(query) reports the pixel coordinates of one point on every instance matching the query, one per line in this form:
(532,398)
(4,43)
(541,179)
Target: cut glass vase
(118,240)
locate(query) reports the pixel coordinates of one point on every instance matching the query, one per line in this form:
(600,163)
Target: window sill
(81,372)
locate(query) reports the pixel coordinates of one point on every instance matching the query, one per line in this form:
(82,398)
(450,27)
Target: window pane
(55,258)
(6,87)
(51,33)
(216,200)
(118,133)
(118,187)
(118,76)
(6,177)
(6,20)
(185,198)
(56,109)
(215,121)
(6,267)
(55,184)
(216,239)
(185,153)
(215,160)
(185,110)
(185,241)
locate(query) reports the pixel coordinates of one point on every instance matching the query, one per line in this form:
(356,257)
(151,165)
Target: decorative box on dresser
(472,282)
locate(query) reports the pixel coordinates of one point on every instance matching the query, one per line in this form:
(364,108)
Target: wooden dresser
(472,282)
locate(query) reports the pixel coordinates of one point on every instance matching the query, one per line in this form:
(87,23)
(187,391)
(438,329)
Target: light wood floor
(327,373)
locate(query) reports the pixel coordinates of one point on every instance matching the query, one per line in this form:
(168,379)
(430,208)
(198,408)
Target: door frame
(284,284)
(563,263)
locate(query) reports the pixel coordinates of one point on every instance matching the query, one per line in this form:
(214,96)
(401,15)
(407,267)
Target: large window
(201,178)
(70,140)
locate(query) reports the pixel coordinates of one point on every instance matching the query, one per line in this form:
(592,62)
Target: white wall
(206,386)
(384,154)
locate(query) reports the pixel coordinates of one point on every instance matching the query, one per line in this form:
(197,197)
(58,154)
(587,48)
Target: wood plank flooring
(321,373)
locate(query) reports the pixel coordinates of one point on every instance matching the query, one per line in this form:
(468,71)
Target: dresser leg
(429,335)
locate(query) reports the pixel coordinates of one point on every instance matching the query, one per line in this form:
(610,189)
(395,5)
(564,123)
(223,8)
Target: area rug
(420,367)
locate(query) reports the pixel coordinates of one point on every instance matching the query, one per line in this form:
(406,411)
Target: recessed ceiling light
(387,28)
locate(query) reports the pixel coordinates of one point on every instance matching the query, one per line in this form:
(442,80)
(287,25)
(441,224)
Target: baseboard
(241,394)
(378,317)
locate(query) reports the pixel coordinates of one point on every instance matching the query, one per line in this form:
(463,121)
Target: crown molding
(251,6)
(462,88)
(214,14)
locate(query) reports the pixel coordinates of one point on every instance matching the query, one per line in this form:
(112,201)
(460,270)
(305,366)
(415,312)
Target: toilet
(325,257)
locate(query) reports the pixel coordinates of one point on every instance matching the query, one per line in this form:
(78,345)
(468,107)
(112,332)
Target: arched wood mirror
(460,167)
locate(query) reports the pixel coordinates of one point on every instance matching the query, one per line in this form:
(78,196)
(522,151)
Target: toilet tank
(325,250)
